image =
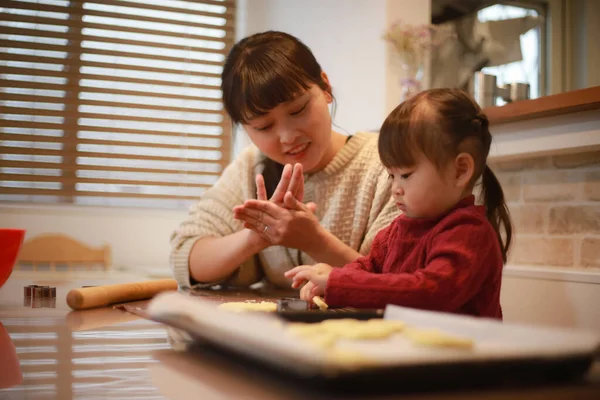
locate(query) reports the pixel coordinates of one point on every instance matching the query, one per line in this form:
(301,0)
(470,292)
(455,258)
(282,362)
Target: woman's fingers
(239,209)
(275,210)
(256,218)
(312,207)
(283,185)
(251,212)
(267,207)
(297,182)
(261,189)
(257,210)
(290,202)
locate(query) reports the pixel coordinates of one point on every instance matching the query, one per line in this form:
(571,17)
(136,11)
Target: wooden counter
(106,353)
(557,104)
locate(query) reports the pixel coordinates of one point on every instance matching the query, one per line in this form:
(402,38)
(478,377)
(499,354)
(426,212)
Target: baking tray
(296,310)
(502,352)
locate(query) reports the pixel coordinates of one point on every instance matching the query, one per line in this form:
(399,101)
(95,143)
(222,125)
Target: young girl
(444,253)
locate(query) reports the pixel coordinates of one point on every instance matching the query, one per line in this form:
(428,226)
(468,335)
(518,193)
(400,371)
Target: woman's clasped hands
(283,219)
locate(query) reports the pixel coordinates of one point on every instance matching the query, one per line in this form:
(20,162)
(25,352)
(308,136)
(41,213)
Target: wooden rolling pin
(101,296)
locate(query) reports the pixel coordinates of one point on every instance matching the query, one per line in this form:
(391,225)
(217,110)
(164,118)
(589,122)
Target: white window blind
(112,102)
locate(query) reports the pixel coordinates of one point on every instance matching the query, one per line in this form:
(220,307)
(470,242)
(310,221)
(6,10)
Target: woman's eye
(300,110)
(264,128)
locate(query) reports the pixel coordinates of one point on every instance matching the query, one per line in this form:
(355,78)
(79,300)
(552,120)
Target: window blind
(113,102)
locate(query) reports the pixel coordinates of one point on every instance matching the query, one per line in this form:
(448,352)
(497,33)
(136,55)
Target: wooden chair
(57,249)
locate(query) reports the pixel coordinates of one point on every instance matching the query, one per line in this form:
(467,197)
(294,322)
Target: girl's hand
(317,275)
(291,224)
(309,291)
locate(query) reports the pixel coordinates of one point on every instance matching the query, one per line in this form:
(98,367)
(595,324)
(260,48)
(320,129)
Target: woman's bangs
(262,89)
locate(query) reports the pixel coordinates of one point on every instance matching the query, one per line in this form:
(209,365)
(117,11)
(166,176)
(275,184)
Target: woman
(273,86)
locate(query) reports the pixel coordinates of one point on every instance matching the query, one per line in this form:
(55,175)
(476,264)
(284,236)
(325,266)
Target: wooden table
(109,354)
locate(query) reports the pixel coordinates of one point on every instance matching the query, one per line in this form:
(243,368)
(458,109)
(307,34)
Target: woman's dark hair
(263,71)
(440,124)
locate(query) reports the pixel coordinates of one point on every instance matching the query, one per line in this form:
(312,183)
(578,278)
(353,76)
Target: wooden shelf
(551,135)
(557,104)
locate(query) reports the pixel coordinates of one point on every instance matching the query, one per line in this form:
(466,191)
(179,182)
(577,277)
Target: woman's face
(298,131)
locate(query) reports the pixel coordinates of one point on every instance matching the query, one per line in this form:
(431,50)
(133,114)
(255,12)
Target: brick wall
(555,207)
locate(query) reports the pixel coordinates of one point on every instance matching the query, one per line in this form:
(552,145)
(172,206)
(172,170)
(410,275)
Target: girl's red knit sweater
(452,263)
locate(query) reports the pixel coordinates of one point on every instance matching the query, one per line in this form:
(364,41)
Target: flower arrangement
(412,43)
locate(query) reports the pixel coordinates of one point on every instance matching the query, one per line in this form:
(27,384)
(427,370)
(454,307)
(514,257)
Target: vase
(411,83)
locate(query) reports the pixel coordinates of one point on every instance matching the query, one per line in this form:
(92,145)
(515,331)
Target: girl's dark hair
(263,71)
(440,124)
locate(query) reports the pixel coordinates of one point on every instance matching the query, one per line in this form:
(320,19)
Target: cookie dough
(436,338)
(243,306)
(319,302)
(334,329)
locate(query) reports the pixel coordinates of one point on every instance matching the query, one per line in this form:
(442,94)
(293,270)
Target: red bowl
(10,243)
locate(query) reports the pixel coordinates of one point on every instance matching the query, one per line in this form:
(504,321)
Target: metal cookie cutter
(36,296)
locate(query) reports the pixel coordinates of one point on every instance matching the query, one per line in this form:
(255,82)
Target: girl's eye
(406,176)
(390,176)
(300,110)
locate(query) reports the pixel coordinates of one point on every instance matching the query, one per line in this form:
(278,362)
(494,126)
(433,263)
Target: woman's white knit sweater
(353,197)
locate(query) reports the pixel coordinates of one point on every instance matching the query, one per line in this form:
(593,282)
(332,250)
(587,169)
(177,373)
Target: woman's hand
(291,224)
(316,277)
(292,180)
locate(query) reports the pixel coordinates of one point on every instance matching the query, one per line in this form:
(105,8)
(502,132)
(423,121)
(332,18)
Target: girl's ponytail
(497,211)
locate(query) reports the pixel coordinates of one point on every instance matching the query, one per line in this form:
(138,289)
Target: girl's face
(298,131)
(423,191)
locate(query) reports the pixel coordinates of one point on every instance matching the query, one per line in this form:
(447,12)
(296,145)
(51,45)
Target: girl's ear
(465,168)
(327,93)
